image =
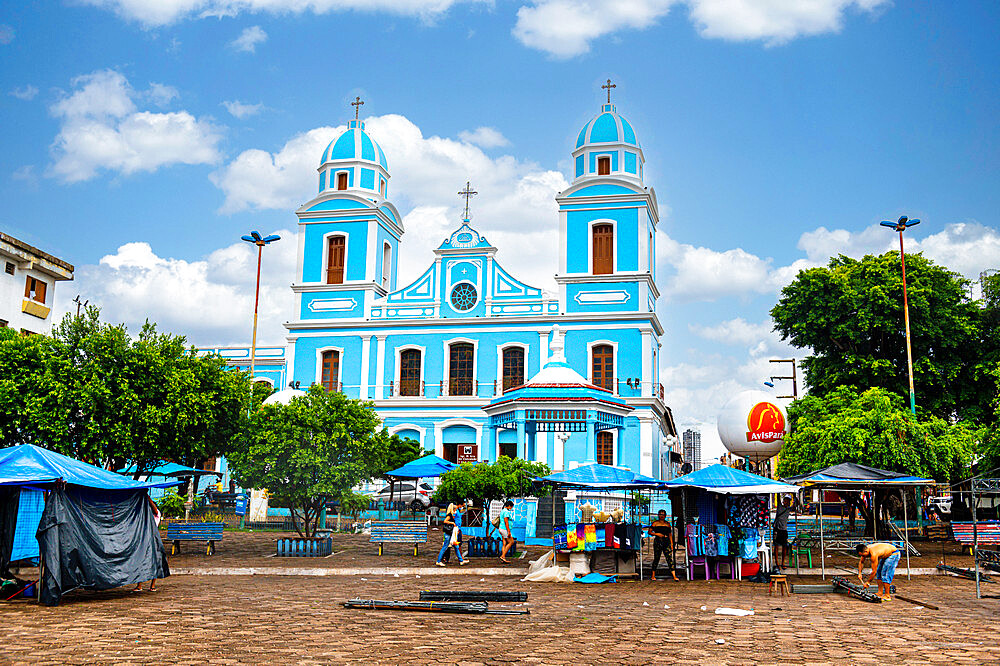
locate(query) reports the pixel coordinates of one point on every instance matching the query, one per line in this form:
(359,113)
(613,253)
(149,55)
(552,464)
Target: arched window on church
(513,367)
(603,242)
(409,372)
(342,180)
(386,264)
(603,366)
(605,448)
(461,358)
(330,370)
(335,255)
(604,165)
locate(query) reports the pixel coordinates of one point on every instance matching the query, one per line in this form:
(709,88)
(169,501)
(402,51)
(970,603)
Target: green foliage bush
(171,505)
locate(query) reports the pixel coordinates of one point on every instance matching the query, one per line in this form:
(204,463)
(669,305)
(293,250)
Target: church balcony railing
(459,387)
(407,388)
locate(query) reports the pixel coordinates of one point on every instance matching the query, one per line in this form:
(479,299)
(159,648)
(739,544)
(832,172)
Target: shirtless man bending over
(884,558)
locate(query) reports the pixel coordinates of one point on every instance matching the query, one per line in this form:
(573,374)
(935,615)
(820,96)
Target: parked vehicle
(941,505)
(417,497)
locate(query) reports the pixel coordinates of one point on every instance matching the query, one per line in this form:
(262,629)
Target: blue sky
(142,137)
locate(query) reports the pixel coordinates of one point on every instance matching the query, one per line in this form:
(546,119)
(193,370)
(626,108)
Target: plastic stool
(782,582)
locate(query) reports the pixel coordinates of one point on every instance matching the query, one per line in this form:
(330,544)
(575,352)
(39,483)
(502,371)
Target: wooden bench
(210,532)
(399,531)
(988,532)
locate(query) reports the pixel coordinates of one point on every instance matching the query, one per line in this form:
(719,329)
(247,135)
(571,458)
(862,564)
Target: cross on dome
(608,86)
(357,104)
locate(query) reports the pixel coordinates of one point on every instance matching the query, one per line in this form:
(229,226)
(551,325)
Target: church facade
(433,353)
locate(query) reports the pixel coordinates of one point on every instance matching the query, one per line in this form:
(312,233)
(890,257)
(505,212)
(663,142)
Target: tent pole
(906,532)
(822,547)
(797,528)
(975,537)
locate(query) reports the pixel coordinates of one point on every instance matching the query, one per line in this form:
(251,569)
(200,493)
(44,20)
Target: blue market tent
(169,469)
(422,468)
(96,531)
(29,465)
(858,477)
(730,481)
(602,477)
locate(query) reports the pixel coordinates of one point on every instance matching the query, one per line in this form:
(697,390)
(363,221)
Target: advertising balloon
(753,425)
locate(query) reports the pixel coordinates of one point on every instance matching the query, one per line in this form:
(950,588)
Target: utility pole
(900,226)
(792,376)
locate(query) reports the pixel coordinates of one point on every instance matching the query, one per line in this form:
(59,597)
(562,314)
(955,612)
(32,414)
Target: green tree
(310,451)
(850,315)
(505,478)
(92,391)
(401,450)
(874,428)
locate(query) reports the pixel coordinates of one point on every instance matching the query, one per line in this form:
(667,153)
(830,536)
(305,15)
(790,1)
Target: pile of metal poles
(439,601)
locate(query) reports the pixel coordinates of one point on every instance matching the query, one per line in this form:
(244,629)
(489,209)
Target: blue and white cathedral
(467,359)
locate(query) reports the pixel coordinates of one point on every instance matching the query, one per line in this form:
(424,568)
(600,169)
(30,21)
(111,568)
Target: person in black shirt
(663,542)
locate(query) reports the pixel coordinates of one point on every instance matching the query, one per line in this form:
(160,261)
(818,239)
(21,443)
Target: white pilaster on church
(370,265)
(365,366)
(646,427)
(380,367)
(543,347)
(647,365)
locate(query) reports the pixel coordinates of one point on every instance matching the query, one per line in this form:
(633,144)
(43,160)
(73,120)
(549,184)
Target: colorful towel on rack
(571,537)
(581,537)
(601,535)
(559,537)
(590,537)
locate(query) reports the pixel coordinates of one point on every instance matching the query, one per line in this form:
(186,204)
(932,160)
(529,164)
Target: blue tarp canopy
(422,468)
(730,481)
(29,465)
(856,477)
(602,477)
(169,469)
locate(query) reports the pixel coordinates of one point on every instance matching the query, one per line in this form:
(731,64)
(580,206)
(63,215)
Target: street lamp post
(260,242)
(900,226)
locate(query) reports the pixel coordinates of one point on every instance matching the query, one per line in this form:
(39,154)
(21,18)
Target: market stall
(96,531)
(723,514)
(602,542)
(853,478)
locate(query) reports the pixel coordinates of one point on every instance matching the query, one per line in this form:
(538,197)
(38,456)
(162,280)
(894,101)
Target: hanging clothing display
(748,545)
(723,535)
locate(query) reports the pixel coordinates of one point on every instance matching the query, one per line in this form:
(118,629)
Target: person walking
(452,527)
(663,543)
(506,527)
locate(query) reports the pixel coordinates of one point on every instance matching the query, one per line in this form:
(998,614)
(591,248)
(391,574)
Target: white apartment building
(27,285)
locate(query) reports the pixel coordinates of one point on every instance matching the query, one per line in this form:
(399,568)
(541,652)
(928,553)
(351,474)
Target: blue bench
(399,531)
(210,532)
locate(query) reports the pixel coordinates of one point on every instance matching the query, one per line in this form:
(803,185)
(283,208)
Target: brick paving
(298,620)
(253,549)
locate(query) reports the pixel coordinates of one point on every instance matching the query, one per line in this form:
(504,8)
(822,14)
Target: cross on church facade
(608,86)
(357,103)
(468,193)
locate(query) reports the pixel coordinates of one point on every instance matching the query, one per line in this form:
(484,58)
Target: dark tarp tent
(97,530)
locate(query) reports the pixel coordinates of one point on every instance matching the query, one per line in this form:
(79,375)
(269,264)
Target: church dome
(354,144)
(607,127)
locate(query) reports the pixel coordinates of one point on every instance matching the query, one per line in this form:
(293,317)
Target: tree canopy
(874,428)
(850,315)
(94,392)
(507,477)
(310,451)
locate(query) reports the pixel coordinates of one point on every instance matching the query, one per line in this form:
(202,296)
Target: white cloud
(27,93)
(209,300)
(566,28)
(964,247)
(6,34)
(101,128)
(249,39)
(733,332)
(160,94)
(240,110)
(152,13)
(484,137)
(774,21)
(515,208)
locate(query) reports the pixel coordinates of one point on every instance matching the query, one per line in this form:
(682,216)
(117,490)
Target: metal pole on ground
(797,532)
(975,539)
(822,547)
(906,532)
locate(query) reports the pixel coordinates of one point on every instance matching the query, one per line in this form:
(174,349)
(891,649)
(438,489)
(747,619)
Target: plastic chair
(729,561)
(698,560)
(804,550)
